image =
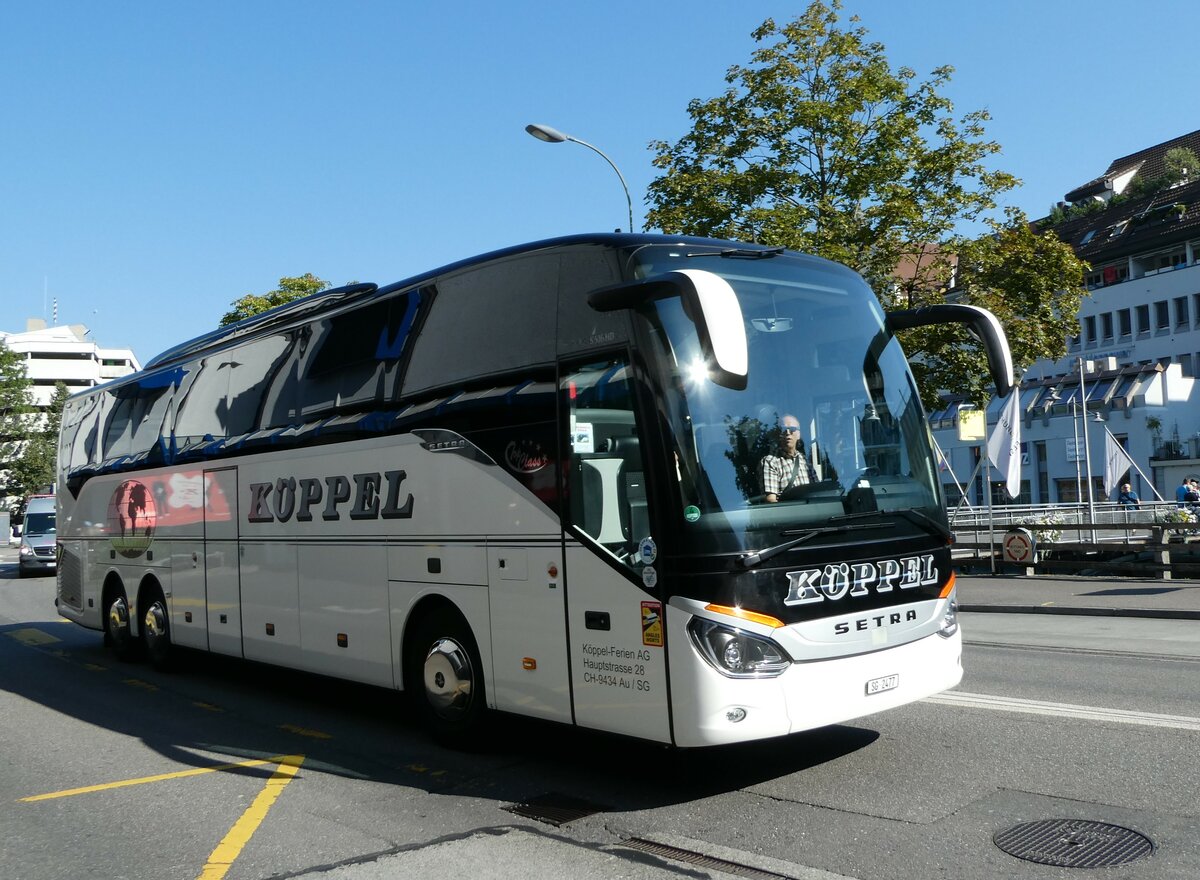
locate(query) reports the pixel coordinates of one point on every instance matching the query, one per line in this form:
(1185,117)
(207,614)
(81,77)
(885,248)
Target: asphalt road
(1057,717)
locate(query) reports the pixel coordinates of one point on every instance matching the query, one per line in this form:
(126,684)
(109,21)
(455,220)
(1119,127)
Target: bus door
(221,569)
(614,614)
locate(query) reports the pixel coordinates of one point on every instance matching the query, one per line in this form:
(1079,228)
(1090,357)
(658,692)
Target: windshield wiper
(750,560)
(743,253)
(935,527)
(921,520)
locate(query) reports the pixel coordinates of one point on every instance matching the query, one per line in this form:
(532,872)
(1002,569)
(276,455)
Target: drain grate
(700,860)
(555,809)
(1074,843)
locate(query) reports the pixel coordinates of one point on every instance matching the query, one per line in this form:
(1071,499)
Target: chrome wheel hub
(155,620)
(449,678)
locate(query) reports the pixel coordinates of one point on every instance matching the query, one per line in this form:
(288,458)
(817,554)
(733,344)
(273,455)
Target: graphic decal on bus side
(140,510)
(836,581)
(287,497)
(132,515)
(525,456)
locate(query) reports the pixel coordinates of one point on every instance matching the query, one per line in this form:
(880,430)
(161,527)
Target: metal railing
(1062,517)
(1117,540)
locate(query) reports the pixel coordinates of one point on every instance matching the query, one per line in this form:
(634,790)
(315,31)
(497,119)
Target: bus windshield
(829,425)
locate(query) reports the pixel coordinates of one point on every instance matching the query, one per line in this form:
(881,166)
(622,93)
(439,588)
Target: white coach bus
(532,482)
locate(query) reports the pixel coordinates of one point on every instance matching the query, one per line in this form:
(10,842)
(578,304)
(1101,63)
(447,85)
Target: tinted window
(200,412)
(493,319)
(255,366)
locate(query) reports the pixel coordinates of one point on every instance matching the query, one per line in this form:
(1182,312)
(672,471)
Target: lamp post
(554,136)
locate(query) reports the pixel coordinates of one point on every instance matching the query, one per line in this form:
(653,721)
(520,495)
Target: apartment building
(1131,369)
(66,354)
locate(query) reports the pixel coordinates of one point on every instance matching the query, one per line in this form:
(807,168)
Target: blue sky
(160,160)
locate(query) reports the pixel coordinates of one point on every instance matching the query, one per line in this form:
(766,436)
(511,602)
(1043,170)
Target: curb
(1157,613)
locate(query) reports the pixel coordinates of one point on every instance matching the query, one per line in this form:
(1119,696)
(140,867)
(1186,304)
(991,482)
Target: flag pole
(1004,450)
(987,485)
(950,467)
(1133,464)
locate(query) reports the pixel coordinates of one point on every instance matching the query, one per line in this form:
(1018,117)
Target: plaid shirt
(780,473)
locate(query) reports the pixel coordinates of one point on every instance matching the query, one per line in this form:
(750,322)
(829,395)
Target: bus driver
(787,469)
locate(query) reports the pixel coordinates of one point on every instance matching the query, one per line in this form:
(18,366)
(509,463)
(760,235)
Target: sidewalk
(1111,597)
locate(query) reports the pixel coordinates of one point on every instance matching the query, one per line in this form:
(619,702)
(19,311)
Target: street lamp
(554,136)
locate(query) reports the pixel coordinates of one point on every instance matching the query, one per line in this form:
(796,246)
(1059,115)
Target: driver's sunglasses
(791,429)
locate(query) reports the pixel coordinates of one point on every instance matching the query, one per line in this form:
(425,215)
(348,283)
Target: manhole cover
(555,809)
(1074,843)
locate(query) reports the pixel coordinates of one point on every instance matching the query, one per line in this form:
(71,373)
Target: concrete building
(1138,225)
(65,354)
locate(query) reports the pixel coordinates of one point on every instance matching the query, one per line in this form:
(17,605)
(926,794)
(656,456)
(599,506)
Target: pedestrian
(1128,498)
(1181,492)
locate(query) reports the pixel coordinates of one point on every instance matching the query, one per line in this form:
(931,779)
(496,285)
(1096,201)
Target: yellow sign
(652,632)
(972,424)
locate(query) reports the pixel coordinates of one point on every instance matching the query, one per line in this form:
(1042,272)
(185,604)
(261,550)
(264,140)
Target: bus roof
(327,299)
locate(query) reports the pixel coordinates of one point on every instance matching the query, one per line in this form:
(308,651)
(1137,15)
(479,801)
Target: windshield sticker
(691,513)
(582,438)
(647,551)
(649,577)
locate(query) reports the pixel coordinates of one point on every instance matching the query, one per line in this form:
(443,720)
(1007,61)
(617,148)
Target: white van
(39,537)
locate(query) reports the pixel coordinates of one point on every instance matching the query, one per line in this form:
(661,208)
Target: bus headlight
(736,653)
(949,620)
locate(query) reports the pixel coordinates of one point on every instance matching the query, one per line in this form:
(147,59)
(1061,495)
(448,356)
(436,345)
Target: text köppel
(837,580)
(359,496)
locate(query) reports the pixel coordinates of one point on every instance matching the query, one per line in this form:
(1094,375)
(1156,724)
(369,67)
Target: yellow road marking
(304,731)
(95,667)
(142,780)
(32,636)
(209,707)
(222,858)
(138,683)
(421,768)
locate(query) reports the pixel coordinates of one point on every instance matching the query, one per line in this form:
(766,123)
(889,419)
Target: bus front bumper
(712,709)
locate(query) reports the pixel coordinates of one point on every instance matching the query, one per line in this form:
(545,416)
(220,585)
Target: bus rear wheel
(117,634)
(156,632)
(444,678)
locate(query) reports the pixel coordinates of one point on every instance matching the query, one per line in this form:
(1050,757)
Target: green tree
(819,145)
(289,289)
(1181,164)
(16,403)
(36,468)
(1032,282)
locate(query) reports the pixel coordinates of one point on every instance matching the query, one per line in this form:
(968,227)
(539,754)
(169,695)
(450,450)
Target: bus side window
(606,476)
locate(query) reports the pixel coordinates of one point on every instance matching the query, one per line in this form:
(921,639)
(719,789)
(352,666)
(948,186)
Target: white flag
(1004,446)
(1116,461)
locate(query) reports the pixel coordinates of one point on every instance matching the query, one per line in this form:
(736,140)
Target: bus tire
(156,630)
(444,677)
(117,633)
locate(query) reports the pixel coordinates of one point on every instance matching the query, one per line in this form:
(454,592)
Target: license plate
(879,685)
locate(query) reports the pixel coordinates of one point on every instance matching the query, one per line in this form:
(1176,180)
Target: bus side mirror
(708,301)
(980,322)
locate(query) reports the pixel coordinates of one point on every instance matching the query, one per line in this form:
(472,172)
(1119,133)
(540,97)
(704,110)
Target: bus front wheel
(445,678)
